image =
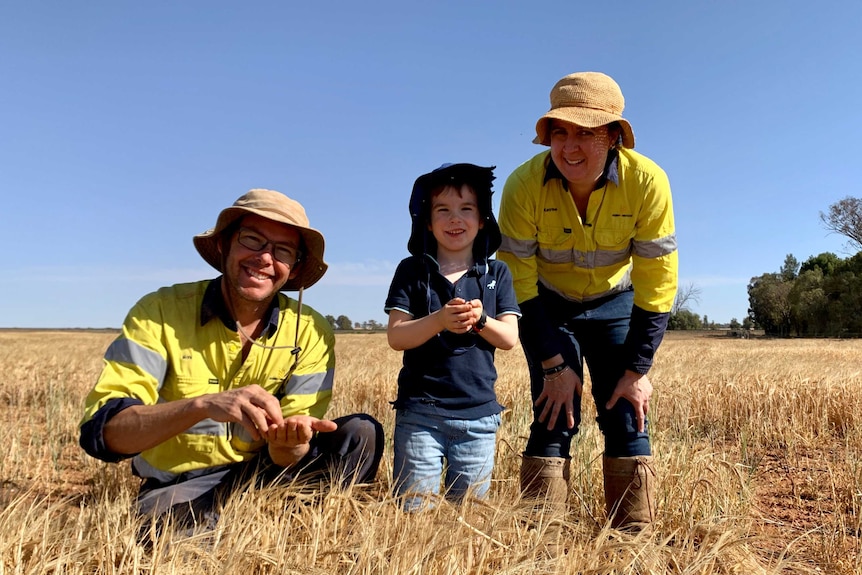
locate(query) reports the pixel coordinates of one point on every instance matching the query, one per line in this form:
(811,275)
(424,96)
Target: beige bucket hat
(279,208)
(588,99)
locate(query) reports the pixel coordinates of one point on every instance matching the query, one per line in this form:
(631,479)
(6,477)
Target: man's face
(579,153)
(255,275)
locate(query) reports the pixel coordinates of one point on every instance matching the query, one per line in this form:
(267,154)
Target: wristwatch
(480,325)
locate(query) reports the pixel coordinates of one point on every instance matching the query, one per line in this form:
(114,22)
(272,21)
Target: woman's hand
(558,394)
(637,389)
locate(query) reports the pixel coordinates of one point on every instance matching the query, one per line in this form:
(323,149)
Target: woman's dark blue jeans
(595,333)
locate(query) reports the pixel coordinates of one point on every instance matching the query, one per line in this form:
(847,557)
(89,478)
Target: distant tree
(371,324)
(769,305)
(826,262)
(808,303)
(845,218)
(685,296)
(683,320)
(790,268)
(747,324)
(343,322)
(843,290)
(706,322)
(681,317)
(332,322)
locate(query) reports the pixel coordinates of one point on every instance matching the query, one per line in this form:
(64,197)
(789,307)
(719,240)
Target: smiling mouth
(256,274)
(575,162)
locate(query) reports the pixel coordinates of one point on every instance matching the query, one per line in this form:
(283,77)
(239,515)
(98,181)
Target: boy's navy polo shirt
(451,374)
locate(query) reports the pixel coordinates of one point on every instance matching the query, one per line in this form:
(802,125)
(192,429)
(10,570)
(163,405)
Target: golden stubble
(757,447)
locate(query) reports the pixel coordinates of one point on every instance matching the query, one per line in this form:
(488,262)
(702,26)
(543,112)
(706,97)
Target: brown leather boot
(545,478)
(629,491)
(545,481)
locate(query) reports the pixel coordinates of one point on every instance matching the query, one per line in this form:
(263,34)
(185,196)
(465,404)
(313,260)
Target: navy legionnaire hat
(479,179)
(276,207)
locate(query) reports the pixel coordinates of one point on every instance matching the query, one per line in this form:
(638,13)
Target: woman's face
(579,153)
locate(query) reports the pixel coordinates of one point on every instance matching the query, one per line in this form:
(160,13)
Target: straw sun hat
(276,207)
(588,99)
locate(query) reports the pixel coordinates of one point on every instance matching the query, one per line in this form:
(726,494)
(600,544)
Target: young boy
(449,307)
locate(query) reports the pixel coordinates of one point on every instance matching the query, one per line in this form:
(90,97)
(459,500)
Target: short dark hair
(458,184)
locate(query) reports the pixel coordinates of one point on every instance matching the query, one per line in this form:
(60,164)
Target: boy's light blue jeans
(422,442)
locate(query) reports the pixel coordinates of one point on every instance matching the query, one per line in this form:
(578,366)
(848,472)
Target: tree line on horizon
(344,323)
(822,297)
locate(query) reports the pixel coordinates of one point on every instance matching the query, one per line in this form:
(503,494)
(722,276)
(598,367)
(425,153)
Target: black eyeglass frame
(278,249)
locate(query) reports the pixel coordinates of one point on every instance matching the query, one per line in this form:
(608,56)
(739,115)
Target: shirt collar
(611,172)
(213,306)
(476,270)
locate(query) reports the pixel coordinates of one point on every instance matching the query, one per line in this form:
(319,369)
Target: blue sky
(125,127)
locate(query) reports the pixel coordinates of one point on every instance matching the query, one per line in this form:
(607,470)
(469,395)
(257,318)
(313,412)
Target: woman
(588,234)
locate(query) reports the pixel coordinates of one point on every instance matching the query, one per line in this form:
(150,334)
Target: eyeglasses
(252,240)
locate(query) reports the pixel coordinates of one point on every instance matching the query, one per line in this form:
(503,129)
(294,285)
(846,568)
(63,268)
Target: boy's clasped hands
(459,315)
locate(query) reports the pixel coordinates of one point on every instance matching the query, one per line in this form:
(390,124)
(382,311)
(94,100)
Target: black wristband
(555,369)
(480,325)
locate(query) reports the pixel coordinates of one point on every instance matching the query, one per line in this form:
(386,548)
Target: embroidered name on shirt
(550,209)
(622,215)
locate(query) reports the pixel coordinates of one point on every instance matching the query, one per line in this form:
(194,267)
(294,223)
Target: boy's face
(455,220)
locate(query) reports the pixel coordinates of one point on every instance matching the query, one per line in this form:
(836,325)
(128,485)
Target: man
(206,375)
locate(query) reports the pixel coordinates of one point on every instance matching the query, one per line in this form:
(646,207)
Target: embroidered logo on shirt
(493,284)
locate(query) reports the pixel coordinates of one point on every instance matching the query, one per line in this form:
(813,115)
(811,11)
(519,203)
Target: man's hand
(251,406)
(297,430)
(290,441)
(637,389)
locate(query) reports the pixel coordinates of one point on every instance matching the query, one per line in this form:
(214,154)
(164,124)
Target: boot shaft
(545,478)
(629,490)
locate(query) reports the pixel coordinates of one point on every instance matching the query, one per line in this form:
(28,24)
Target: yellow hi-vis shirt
(627,238)
(164,353)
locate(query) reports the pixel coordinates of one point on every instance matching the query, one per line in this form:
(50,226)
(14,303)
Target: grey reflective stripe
(656,248)
(612,258)
(624,284)
(308,384)
(238,431)
(159,500)
(579,258)
(586,260)
(203,427)
(519,248)
(147,471)
(208,427)
(127,351)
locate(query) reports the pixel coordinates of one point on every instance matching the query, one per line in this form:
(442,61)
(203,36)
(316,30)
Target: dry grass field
(758,447)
